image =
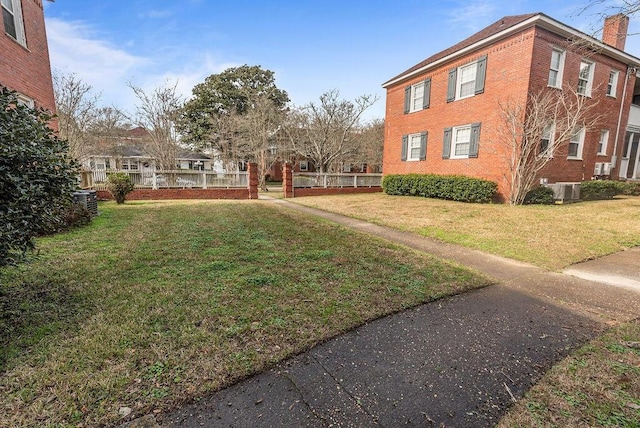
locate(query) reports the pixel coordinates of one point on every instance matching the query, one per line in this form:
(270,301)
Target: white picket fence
(181,179)
(325,180)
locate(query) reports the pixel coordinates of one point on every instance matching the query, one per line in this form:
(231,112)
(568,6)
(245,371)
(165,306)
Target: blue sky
(312,46)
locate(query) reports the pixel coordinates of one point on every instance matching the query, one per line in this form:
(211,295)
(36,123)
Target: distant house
(24,55)
(129,153)
(442,114)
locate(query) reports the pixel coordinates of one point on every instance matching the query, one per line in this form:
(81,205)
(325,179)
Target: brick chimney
(615,29)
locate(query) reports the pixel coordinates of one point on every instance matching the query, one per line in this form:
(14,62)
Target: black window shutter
(451,88)
(407,99)
(405,147)
(423,146)
(481,72)
(475,139)
(427,93)
(446,145)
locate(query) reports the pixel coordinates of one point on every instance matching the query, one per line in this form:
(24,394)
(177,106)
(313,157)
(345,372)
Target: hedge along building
(24,53)
(443,115)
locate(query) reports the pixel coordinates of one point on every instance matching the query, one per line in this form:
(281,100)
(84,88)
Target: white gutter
(541,20)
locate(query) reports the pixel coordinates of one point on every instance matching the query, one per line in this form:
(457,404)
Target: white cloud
(76,48)
(73,48)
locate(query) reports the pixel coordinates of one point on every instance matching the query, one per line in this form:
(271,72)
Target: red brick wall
(28,70)
(151,194)
(608,108)
(515,66)
(504,79)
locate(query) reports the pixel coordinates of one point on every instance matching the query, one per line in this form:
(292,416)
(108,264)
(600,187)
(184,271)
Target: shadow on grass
(32,312)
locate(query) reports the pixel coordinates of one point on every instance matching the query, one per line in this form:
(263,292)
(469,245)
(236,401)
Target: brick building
(443,115)
(24,54)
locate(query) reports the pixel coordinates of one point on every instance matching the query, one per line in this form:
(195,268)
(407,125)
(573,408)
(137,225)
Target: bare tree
(157,113)
(324,132)
(76,108)
(533,130)
(107,132)
(257,135)
(370,139)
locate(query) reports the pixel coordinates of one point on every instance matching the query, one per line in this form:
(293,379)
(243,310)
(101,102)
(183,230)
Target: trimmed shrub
(600,189)
(630,188)
(539,196)
(119,184)
(451,187)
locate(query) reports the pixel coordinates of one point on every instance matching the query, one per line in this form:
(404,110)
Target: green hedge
(539,196)
(631,188)
(600,189)
(451,187)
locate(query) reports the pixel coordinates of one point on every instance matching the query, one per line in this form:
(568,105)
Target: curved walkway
(459,361)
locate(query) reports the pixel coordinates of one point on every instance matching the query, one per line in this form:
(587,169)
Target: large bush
(540,195)
(36,177)
(119,184)
(600,189)
(451,187)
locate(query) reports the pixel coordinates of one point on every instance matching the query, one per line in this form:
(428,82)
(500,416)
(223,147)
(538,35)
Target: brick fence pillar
(252,169)
(287,180)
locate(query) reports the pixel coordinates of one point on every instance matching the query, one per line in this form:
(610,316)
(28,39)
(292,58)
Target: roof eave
(540,20)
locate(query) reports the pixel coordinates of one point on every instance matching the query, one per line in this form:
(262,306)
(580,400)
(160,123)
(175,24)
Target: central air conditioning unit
(565,192)
(88,199)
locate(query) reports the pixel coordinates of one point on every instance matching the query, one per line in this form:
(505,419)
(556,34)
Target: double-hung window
(546,141)
(414,147)
(585,77)
(12,18)
(602,143)
(467,80)
(556,68)
(612,86)
(576,144)
(461,142)
(417,96)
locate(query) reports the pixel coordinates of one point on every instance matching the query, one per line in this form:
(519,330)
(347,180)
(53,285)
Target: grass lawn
(156,303)
(552,237)
(597,386)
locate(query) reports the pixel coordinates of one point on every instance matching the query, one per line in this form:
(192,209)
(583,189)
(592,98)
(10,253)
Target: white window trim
(580,142)
(589,86)
(412,97)
(559,71)
(614,84)
(604,141)
(304,165)
(410,139)
(18,22)
(552,135)
(459,80)
(454,133)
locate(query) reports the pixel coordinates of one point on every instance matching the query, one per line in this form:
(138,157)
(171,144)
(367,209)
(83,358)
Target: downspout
(614,156)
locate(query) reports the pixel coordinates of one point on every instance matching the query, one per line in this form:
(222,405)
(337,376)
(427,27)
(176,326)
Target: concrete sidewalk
(459,361)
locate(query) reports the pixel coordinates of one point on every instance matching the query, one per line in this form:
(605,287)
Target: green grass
(551,237)
(598,385)
(156,303)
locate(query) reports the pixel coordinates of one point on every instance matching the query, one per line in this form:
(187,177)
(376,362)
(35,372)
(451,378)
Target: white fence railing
(181,179)
(336,180)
